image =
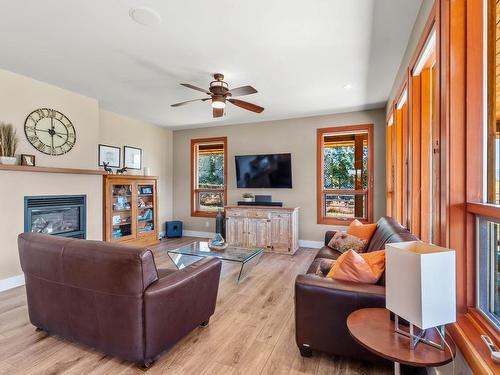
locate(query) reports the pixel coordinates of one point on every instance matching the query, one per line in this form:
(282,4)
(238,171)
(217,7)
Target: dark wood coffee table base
(373,329)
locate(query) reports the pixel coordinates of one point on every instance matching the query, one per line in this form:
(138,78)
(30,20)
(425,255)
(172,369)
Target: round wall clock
(49,131)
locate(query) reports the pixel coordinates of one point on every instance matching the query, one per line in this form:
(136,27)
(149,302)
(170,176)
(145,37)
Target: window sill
(203,214)
(330,221)
(466,332)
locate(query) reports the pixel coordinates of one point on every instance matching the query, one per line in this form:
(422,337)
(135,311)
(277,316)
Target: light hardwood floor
(251,332)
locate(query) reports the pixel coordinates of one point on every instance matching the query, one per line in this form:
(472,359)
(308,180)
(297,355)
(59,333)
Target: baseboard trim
(311,244)
(195,233)
(302,243)
(11,282)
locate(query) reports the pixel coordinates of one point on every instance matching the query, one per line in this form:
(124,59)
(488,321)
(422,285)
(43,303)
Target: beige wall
(156,145)
(20,95)
(297,136)
(418,28)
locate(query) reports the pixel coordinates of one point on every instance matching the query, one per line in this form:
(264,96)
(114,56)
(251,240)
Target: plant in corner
(248,197)
(8,144)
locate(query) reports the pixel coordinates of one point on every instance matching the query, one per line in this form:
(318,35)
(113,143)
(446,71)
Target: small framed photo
(110,155)
(28,160)
(132,157)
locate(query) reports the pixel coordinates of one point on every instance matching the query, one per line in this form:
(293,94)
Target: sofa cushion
(320,266)
(343,242)
(388,231)
(361,268)
(327,253)
(360,230)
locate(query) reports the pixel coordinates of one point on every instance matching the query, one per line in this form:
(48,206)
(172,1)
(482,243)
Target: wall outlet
(207,224)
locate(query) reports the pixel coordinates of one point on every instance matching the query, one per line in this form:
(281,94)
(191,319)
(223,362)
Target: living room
(307,194)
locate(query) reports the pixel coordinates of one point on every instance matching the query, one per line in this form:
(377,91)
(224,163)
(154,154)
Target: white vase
(247,199)
(8,160)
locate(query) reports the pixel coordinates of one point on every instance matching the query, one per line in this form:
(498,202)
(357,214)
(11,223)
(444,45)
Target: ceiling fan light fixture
(218,103)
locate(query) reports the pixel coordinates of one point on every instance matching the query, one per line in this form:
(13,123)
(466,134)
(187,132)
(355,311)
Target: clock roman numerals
(50,131)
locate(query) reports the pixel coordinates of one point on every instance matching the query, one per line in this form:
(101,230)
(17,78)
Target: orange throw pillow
(360,230)
(364,268)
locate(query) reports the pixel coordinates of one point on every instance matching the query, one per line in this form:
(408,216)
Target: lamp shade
(420,283)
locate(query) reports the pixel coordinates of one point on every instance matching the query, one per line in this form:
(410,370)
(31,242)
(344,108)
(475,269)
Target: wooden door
(258,233)
(280,231)
(236,231)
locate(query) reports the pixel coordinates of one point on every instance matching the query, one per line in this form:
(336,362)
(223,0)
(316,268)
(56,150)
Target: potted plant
(8,144)
(247,197)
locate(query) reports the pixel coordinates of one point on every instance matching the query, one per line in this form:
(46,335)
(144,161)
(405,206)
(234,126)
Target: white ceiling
(298,54)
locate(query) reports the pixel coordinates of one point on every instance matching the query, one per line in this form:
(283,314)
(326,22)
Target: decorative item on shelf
(217,243)
(28,160)
(132,157)
(121,170)
(141,203)
(106,168)
(145,190)
(117,219)
(248,197)
(146,215)
(147,171)
(109,156)
(420,288)
(121,204)
(8,144)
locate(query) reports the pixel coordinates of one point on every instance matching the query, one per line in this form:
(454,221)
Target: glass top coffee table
(188,254)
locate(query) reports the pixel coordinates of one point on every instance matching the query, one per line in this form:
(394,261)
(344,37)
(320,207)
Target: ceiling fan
(219,93)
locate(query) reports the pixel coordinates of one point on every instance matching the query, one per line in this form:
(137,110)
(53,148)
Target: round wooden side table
(373,329)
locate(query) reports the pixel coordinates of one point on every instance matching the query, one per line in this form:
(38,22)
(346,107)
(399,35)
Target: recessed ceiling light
(348,86)
(145,16)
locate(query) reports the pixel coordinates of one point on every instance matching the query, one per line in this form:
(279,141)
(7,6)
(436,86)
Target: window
(488,275)
(389,168)
(400,159)
(424,139)
(208,174)
(345,180)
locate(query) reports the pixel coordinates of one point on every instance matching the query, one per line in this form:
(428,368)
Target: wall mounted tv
(272,171)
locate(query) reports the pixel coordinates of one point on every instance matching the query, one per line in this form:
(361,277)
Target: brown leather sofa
(322,305)
(112,297)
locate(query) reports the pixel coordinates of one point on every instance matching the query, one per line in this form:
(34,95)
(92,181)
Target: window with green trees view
(209,171)
(344,174)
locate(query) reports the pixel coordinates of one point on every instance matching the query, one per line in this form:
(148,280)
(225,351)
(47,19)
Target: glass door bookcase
(130,209)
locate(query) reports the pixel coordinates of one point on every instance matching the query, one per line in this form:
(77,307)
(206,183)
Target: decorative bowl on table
(217,243)
(217,247)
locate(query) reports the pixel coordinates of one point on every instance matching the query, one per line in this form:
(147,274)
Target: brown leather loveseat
(111,297)
(322,305)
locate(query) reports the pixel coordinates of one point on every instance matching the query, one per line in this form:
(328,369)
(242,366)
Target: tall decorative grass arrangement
(8,140)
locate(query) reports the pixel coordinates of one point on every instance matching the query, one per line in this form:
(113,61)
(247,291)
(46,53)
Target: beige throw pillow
(343,242)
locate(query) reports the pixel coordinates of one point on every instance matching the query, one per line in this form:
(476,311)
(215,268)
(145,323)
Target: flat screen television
(272,171)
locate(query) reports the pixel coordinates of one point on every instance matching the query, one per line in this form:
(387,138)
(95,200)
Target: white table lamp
(420,287)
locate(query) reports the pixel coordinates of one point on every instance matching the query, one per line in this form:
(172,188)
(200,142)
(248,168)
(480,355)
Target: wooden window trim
(321,219)
(194,191)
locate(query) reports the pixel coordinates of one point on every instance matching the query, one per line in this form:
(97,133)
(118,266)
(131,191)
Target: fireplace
(58,215)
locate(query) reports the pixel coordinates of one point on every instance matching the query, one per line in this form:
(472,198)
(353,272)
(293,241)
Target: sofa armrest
(328,236)
(177,303)
(322,306)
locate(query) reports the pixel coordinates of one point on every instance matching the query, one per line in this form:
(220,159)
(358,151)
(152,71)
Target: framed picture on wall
(132,157)
(110,155)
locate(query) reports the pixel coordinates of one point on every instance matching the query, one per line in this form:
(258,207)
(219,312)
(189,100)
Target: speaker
(263,198)
(174,229)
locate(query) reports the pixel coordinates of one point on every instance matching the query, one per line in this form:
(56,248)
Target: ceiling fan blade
(188,101)
(218,112)
(246,105)
(240,91)
(196,88)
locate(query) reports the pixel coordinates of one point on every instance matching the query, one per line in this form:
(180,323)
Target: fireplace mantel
(23,168)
